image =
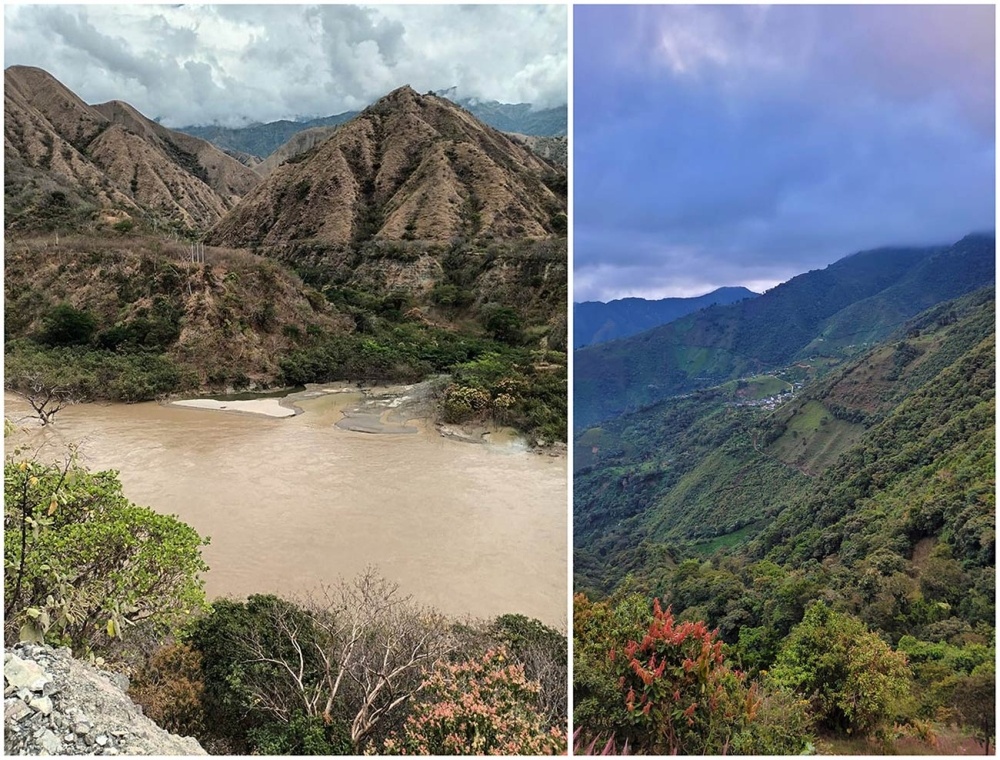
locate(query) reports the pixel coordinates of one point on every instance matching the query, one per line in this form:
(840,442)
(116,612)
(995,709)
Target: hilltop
(409,167)
(70,165)
(599,322)
(262,140)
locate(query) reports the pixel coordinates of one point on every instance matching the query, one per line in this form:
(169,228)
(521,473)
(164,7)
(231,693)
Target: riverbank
(380,410)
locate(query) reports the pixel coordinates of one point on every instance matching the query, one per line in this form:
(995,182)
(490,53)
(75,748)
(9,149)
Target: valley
(324,399)
(827,495)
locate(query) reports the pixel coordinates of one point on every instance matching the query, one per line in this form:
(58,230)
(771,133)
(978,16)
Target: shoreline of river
(377,410)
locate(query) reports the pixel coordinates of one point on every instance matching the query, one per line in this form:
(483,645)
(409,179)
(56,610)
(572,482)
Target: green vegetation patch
(813,437)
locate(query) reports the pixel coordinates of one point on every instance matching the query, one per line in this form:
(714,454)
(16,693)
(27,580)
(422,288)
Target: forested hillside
(781,511)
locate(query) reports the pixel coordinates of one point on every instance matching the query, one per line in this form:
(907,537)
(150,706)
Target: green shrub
(64,325)
(855,682)
(81,560)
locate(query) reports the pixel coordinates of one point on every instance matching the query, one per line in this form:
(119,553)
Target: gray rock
(24,674)
(50,743)
(41,705)
(14,710)
(118,679)
(80,711)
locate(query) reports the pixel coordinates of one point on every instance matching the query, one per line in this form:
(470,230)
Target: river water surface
(289,504)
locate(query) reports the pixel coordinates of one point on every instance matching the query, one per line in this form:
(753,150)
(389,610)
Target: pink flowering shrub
(484,706)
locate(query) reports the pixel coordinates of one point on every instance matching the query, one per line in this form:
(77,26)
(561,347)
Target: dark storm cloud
(236,63)
(743,145)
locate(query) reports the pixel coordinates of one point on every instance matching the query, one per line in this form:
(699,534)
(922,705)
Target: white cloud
(235,63)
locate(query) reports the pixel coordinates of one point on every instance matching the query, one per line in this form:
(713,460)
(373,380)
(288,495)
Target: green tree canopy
(852,677)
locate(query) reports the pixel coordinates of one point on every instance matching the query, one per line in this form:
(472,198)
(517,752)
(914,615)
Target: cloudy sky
(742,145)
(232,64)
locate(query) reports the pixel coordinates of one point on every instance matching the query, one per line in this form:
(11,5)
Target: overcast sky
(233,64)
(742,145)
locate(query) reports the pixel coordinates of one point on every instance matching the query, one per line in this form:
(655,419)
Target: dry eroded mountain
(409,167)
(107,162)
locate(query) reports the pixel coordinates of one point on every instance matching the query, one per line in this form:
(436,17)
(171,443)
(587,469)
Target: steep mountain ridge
(410,167)
(851,297)
(225,175)
(599,322)
(69,164)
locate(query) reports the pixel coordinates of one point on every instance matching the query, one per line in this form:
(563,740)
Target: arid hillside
(224,320)
(70,165)
(409,167)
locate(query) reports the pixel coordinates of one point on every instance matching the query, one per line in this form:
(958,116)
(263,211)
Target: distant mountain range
(830,312)
(261,140)
(598,322)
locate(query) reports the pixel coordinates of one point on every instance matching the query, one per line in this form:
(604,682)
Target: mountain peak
(109,156)
(404,94)
(409,167)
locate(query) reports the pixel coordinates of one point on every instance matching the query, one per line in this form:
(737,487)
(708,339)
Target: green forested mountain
(597,322)
(826,313)
(824,526)
(728,463)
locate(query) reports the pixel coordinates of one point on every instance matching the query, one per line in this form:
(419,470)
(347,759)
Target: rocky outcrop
(56,705)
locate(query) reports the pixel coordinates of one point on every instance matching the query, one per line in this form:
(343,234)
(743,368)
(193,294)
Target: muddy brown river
(470,529)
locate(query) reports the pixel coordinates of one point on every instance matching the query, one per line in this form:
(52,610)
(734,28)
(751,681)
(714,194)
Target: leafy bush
(64,325)
(169,688)
(84,374)
(504,324)
(665,688)
(82,563)
(232,674)
(853,679)
(301,735)
(478,707)
(350,659)
(543,652)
